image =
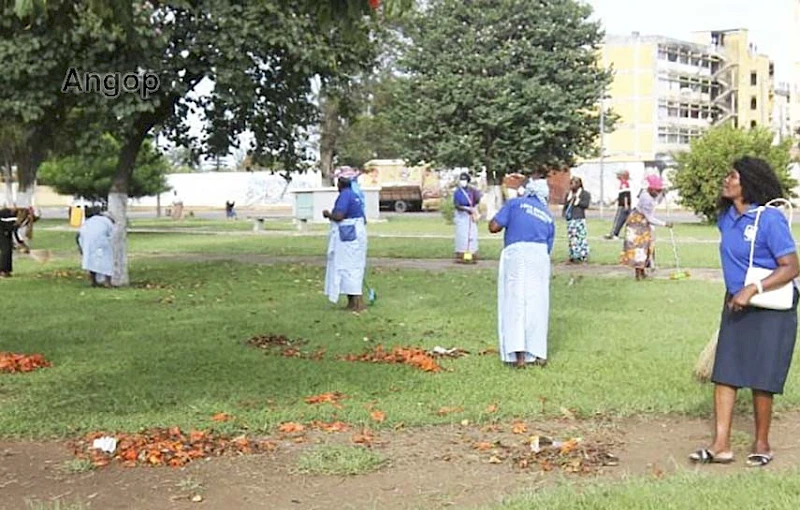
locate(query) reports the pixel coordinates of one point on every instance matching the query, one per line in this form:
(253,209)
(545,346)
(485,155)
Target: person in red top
(623,204)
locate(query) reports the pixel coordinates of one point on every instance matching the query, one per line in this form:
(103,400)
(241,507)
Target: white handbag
(781,298)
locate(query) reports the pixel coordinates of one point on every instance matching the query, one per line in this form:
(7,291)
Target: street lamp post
(602,153)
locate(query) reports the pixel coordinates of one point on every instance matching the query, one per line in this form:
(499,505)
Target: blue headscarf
(538,188)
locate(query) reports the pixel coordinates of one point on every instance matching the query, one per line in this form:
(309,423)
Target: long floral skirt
(639,245)
(578,242)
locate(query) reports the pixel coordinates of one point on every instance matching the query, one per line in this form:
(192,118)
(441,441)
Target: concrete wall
(247,189)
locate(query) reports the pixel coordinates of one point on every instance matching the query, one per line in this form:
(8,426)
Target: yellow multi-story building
(667,92)
(746,75)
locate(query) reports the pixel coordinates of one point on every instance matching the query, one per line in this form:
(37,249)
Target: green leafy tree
(504,85)
(700,170)
(90,173)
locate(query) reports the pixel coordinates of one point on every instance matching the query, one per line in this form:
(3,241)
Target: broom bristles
(705,362)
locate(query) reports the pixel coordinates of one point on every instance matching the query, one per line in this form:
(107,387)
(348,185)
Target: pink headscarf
(654,182)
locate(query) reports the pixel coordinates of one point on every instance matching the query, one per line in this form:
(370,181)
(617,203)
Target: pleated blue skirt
(755,347)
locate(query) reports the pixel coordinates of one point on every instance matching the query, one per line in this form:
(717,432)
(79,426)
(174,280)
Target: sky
(768,21)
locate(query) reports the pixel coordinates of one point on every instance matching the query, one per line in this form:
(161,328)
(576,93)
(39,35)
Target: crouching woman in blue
(523,285)
(755,344)
(347,248)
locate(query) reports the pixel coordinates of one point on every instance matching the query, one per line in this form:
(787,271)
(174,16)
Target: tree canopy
(700,171)
(507,85)
(89,173)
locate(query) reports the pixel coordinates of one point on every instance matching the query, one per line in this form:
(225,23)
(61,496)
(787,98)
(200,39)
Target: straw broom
(705,362)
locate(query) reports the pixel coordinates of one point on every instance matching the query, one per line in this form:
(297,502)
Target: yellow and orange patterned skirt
(639,244)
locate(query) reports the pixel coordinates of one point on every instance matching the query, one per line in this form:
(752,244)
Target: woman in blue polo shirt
(755,345)
(523,285)
(347,248)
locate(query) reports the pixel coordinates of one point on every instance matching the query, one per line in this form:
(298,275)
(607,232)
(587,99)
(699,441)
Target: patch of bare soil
(458,466)
(703,274)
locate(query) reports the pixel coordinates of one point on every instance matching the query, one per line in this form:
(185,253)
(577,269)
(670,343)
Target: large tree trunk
(27,169)
(329,137)
(9,185)
(118,207)
(494,193)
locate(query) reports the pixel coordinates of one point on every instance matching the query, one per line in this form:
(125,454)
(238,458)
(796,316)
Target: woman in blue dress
(523,283)
(755,345)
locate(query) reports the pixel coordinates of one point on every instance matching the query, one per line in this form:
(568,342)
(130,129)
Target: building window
(753,103)
(753,78)
(753,124)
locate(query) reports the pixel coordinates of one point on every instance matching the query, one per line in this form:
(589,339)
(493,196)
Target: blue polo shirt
(773,241)
(349,204)
(526,220)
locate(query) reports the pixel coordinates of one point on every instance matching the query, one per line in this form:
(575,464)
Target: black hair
(344,182)
(759,183)
(464,176)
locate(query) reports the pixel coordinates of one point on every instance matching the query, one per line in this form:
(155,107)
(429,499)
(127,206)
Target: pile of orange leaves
(412,356)
(286,347)
(11,362)
(166,447)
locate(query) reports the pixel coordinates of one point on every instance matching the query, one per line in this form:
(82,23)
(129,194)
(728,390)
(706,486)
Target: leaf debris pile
(12,363)
(166,447)
(411,356)
(284,346)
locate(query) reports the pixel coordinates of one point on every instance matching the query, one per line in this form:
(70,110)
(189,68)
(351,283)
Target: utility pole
(602,153)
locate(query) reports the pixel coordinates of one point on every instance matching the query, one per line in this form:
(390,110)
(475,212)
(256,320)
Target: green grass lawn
(696,243)
(776,491)
(137,357)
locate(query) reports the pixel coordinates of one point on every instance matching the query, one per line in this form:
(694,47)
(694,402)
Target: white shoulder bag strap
(758,217)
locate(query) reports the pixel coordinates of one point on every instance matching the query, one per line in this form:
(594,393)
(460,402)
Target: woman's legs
(762,409)
(724,401)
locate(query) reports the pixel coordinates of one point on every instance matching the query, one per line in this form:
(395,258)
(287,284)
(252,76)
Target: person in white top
(639,245)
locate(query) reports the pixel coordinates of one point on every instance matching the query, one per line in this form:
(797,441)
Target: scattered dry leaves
(284,346)
(12,363)
(336,426)
(291,427)
(519,427)
(365,437)
(444,411)
(491,409)
(483,446)
(220,417)
(486,352)
(411,356)
(331,397)
(166,447)
(378,416)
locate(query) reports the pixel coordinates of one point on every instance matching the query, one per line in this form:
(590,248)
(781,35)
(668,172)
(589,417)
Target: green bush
(698,177)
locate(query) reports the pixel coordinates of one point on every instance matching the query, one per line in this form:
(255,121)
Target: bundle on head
(705,362)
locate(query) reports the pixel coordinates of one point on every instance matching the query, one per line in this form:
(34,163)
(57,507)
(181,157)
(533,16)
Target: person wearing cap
(639,244)
(94,243)
(623,204)
(466,199)
(347,248)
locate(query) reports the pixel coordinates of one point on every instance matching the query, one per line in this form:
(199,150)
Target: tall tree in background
(89,173)
(503,85)
(701,169)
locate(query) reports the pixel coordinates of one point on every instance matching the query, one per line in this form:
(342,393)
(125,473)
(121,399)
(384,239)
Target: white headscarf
(538,188)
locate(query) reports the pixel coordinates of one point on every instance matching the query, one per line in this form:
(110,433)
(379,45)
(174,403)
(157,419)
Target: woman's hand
(742,298)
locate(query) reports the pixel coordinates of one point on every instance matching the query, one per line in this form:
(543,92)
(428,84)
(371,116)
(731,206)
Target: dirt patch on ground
(703,274)
(431,467)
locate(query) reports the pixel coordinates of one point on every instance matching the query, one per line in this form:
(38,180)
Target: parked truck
(403,188)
